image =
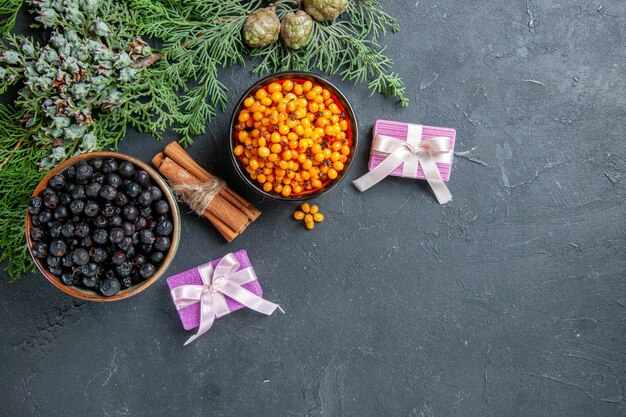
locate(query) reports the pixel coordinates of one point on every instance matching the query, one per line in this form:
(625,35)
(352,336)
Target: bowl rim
(310,77)
(91,295)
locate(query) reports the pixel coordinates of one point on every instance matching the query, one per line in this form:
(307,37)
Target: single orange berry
(314,209)
(306,207)
(298,215)
(318,217)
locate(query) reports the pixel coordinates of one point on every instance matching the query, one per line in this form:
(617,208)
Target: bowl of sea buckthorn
(293,136)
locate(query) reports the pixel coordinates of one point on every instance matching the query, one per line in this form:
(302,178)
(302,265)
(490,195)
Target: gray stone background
(509,301)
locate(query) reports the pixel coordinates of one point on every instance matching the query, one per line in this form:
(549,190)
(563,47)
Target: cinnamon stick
(176,152)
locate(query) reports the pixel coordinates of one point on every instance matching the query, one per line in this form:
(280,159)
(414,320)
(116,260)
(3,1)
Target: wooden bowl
(352,134)
(87,294)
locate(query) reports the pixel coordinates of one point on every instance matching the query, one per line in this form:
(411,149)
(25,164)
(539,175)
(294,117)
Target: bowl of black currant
(102,226)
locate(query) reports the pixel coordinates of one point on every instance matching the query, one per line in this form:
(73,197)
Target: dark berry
(141,223)
(61,212)
(116,221)
(86,242)
(40,250)
(89,282)
(164,228)
(108,192)
(116,235)
(66,262)
(146,236)
(98,255)
(110,165)
(124,269)
(146,270)
(135,238)
(77,206)
(118,258)
(70,173)
(68,278)
(96,163)
(34,206)
(93,190)
(139,260)
(126,282)
(146,211)
(132,189)
(131,251)
(64,198)
(81,230)
(100,221)
(37,233)
(55,230)
(100,236)
(58,247)
(109,287)
(80,256)
(121,199)
(83,172)
(98,177)
(35,221)
(113,180)
(91,208)
(146,248)
(45,216)
(50,198)
(67,230)
(56,271)
(156,192)
(78,192)
(162,207)
(162,243)
(53,261)
(127,169)
(126,243)
(144,198)
(110,210)
(130,213)
(57,182)
(157,257)
(89,270)
(142,178)
(129,228)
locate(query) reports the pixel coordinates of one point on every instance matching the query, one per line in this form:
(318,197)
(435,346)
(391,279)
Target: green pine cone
(322,10)
(297,29)
(261,28)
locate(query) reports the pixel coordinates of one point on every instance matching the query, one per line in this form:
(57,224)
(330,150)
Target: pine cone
(261,28)
(296,29)
(321,10)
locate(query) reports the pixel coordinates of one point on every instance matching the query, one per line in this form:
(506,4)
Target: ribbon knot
(224,280)
(413,152)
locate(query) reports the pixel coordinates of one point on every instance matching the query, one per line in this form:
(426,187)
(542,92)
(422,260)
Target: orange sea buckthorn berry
(338,165)
(274,87)
(306,207)
(244,115)
(277,96)
(314,209)
(286,191)
(297,189)
(287,85)
(316,183)
(298,89)
(238,150)
(307,86)
(325,94)
(248,102)
(332,173)
(266,101)
(327,153)
(261,93)
(335,156)
(334,109)
(267,187)
(261,178)
(309,225)
(308,218)
(264,152)
(273,157)
(345,150)
(298,215)
(283,129)
(318,217)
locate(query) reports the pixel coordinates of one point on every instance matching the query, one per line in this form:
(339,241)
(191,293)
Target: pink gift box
(190,315)
(398,130)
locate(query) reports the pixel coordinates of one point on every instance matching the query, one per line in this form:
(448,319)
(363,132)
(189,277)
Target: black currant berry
(116,221)
(132,189)
(144,198)
(67,230)
(162,243)
(162,207)
(34,206)
(146,270)
(157,257)
(61,212)
(93,190)
(130,213)
(124,269)
(40,250)
(58,247)
(142,178)
(45,216)
(113,180)
(146,236)
(80,256)
(68,278)
(96,163)
(81,230)
(84,171)
(109,287)
(50,198)
(55,230)
(98,255)
(116,235)
(156,192)
(57,182)
(110,165)
(37,233)
(118,258)
(53,261)
(89,270)
(89,282)
(78,192)
(108,192)
(91,208)
(100,221)
(100,236)
(77,206)
(164,228)
(127,169)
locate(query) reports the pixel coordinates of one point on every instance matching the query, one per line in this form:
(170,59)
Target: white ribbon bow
(223,280)
(412,153)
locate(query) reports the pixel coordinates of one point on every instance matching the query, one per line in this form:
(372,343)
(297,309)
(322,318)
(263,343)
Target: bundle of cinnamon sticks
(228,211)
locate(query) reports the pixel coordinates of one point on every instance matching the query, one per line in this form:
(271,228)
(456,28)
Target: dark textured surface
(509,301)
